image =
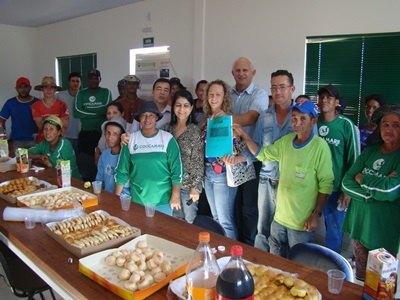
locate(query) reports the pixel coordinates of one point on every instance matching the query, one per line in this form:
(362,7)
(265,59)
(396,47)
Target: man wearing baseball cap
(306,177)
(343,139)
(19,109)
(130,100)
(90,107)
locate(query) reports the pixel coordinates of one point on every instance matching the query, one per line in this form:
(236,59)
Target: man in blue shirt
(19,109)
(274,123)
(248,102)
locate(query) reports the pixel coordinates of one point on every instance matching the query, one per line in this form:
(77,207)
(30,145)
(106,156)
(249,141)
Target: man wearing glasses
(274,123)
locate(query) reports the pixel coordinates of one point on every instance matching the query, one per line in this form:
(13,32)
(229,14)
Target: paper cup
(96,187)
(335,281)
(125,202)
(29,222)
(150,209)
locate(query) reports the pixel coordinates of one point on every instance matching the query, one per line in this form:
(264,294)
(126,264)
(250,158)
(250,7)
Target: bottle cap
(204,237)
(236,250)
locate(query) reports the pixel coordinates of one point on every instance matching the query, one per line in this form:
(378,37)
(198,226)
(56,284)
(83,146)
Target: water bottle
(235,280)
(202,271)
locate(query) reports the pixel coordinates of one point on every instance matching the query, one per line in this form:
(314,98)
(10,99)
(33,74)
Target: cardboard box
(381,275)
(95,268)
(43,186)
(81,252)
(90,199)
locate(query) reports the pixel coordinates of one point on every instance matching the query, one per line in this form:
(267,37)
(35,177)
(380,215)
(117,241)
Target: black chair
(209,223)
(321,258)
(23,281)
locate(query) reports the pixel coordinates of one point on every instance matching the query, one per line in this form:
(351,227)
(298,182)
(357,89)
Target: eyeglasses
(275,88)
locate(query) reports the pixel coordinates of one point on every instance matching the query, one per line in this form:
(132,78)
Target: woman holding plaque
(220,196)
(373,182)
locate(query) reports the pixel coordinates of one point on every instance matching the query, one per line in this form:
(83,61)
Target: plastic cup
(96,187)
(125,202)
(150,209)
(335,281)
(29,222)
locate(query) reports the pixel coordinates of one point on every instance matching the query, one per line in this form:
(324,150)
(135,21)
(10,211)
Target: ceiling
(35,13)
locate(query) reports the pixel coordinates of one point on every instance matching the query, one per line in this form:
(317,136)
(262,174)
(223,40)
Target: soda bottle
(202,271)
(235,280)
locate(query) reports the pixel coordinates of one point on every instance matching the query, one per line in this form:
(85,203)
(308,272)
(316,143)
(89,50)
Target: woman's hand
(44,159)
(175,199)
(194,195)
(359,177)
(233,160)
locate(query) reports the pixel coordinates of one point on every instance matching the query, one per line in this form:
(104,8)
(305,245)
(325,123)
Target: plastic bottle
(235,280)
(202,271)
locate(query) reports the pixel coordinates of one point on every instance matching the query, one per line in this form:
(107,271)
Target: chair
(209,223)
(321,258)
(23,281)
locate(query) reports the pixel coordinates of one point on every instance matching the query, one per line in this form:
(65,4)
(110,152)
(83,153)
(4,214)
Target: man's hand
(359,177)
(175,199)
(312,222)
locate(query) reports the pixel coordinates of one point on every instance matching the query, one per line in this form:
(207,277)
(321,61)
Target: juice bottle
(202,271)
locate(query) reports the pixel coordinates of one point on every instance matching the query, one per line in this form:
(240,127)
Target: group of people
(293,160)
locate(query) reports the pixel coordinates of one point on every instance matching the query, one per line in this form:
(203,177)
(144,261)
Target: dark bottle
(235,281)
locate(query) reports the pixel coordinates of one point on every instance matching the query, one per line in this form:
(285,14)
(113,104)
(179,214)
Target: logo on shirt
(377,165)
(92,98)
(323,130)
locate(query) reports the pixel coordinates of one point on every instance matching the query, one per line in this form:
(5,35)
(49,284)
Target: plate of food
(138,268)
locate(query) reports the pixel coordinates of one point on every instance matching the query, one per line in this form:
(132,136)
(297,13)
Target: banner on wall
(150,67)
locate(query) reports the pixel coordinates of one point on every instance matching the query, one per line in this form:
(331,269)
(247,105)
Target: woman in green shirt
(54,147)
(373,183)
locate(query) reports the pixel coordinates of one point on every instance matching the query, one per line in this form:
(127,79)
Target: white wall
(272,32)
(205,36)
(17,57)
(114,32)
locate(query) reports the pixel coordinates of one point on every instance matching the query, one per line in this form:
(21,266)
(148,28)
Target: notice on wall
(150,67)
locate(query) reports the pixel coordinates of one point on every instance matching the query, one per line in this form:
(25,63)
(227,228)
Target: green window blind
(83,63)
(358,65)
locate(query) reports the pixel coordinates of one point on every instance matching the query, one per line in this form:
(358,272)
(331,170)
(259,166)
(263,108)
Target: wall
(114,32)
(272,33)
(205,36)
(17,58)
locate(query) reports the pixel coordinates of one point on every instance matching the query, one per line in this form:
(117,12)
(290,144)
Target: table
(50,260)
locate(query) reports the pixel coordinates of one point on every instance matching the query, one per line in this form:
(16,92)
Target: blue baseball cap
(308,107)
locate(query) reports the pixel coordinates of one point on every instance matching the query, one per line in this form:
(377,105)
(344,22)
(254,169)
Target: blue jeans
(187,212)
(266,210)
(283,238)
(221,198)
(333,223)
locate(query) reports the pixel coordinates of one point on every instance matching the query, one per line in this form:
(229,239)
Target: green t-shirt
(62,151)
(304,172)
(343,139)
(91,107)
(373,217)
(152,165)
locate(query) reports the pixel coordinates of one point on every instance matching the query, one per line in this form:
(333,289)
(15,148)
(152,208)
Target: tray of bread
(269,283)
(91,233)
(138,268)
(11,189)
(61,198)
